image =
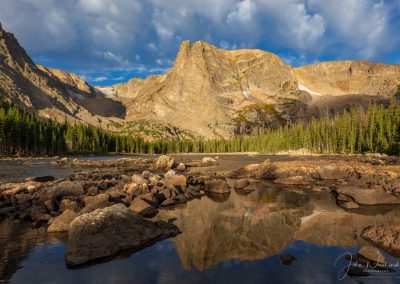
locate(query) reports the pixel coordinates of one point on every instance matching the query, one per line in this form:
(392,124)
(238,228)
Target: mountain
(215,92)
(51,92)
(209,92)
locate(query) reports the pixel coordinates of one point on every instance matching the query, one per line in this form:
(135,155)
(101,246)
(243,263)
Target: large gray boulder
(109,231)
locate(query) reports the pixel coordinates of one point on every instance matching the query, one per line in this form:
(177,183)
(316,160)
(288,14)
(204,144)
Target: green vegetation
(376,129)
(22,133)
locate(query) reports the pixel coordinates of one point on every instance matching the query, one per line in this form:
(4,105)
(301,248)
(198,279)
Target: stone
(61,222)
(165,162)
(64,188)
(264,170)
(98,198)
(372,254)
(178,181)
(67,204)
(110,231)
(334,171)
(143,208)
(96,202)
(384,236)
(208,161)
(219,186)
(293,180)
(241,183)
(138,179)
(93,190)
(137,189)
(181,167)
(168,202)
(287,259)
(348,205)
(368,196)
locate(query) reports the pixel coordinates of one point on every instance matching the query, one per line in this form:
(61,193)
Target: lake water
(238,239)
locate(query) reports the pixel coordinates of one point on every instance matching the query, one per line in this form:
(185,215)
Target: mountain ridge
(209,92)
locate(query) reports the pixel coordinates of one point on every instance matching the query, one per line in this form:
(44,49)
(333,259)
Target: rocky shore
(111,208)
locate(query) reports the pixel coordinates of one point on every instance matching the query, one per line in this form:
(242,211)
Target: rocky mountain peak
(11,52)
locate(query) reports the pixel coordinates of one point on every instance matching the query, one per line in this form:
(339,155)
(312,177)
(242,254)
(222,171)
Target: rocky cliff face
(215,92)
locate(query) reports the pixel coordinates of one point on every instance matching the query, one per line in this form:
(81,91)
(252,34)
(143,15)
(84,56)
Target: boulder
(178,181)
(348,205)
(61,222)
(138,179)
(137,189)
(265,170)
(64,188)
(168,202)
(372,254)
(241,183)
(368,196)
(97,198)
(165,163)
(219,186)
(96,202)
(293,180)
(384,236)
(181,167)
(67,204)
(208,161)
(109,231)
(143,208)
(334,171)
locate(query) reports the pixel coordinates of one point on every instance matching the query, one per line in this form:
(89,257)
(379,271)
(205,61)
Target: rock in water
(219,186)
(372,254)
(384,236)
(61,223)
(109,231)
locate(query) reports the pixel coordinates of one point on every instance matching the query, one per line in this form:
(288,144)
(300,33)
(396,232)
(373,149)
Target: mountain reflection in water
(238,240)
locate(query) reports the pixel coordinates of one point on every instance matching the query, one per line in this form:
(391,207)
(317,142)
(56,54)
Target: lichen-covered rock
(109,231)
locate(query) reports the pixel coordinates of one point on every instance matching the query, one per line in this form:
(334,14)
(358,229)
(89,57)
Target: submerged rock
(109,231)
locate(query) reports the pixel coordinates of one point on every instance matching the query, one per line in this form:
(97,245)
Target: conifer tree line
(357,130)
(23,134)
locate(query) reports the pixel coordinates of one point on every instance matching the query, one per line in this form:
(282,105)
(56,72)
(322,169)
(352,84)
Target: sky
(111,41)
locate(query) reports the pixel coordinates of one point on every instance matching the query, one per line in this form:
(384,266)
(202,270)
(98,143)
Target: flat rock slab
(368,196)
(109,231)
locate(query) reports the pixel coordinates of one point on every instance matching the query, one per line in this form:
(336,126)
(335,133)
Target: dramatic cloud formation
(112,40)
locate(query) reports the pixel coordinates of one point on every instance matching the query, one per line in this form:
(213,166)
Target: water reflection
(239,240)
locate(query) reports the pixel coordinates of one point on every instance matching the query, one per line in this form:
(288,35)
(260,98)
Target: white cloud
(92,35)
(99,79)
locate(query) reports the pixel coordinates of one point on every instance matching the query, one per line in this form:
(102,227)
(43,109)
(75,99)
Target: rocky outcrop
(109,231)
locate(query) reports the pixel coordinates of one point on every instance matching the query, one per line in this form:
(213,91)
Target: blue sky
(110,41)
